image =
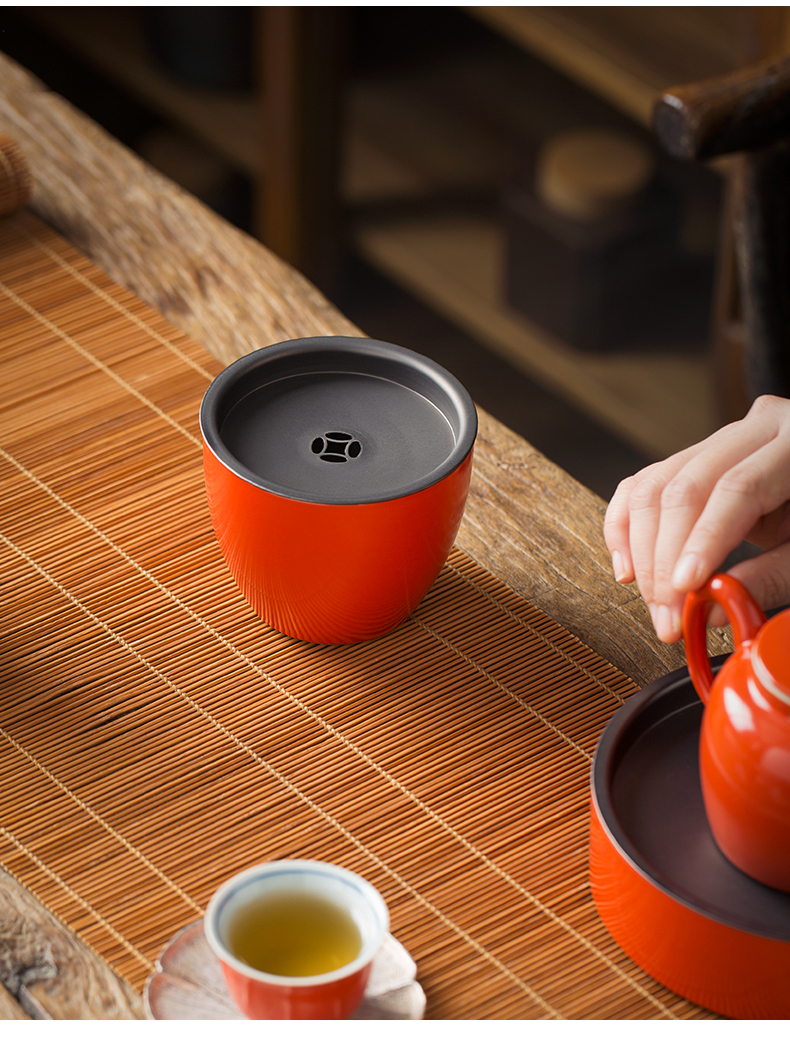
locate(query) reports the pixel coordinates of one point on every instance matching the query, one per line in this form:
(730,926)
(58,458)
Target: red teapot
(744,750)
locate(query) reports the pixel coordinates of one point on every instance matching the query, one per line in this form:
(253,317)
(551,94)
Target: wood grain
(10,1008)
(540,531)
(47,972)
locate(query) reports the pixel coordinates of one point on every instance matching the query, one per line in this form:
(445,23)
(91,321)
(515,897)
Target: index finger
(743,495)
(621,533)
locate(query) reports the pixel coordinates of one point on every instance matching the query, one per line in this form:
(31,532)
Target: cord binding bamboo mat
(156,737)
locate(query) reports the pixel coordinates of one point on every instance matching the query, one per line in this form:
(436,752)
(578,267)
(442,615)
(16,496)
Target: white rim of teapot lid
(766,679)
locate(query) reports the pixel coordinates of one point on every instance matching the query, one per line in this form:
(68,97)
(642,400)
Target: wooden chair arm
(745,110)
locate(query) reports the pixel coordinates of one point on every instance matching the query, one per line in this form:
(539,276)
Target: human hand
(670,526)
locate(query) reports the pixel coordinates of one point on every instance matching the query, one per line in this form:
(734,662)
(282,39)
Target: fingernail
(686,573)
(667,624)
(618,567)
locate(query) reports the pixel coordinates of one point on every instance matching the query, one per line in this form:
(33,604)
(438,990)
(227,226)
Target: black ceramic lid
(338,420)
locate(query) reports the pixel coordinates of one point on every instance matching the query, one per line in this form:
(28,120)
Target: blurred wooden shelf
(658,399)
(111,41)
(401,144)
(629,55)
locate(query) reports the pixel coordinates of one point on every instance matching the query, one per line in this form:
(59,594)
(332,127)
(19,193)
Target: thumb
(767,577)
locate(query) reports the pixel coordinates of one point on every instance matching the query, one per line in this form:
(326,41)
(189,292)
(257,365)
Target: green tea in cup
(294,933)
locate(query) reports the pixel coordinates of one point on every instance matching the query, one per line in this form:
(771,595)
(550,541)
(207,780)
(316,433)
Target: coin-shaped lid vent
(332,425)
(338,434)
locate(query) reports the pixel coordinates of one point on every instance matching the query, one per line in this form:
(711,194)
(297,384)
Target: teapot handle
(743,612)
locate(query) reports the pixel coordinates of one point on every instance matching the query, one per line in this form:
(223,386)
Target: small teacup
(296,939)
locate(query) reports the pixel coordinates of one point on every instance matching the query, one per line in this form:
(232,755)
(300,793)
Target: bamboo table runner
(156,737)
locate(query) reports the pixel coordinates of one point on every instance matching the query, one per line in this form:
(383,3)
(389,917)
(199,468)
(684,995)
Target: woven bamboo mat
(156,737)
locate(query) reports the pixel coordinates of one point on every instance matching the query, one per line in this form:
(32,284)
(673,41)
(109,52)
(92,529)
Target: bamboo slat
(156,737)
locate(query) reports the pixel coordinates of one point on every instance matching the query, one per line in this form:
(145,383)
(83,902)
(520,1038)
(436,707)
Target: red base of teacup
(334,1001)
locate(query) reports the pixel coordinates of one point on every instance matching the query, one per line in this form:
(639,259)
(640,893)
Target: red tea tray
(666,893)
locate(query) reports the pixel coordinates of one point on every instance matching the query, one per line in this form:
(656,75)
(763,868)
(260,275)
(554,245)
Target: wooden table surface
(527,521)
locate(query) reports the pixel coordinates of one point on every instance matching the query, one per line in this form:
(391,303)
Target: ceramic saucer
(188,983)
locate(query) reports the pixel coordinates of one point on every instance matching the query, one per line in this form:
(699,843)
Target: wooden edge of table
(47,972)
(527,521)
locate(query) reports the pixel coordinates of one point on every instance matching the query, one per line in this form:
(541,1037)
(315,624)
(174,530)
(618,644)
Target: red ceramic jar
(337,470)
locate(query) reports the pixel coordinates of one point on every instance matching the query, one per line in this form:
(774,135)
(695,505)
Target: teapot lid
(771,656)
